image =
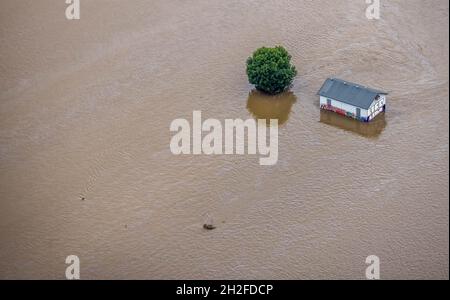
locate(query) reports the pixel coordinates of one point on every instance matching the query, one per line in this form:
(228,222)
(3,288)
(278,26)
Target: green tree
(270,70)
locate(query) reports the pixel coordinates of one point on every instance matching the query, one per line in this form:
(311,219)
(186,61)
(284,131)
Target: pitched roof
(348,92)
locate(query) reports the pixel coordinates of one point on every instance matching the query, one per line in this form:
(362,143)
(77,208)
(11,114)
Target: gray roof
(348,92)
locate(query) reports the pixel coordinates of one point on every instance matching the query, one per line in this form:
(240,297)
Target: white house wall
(344,106)
(376,107)
(381,101)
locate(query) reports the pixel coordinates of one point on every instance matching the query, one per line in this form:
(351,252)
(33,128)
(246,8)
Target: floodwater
(370,130)
(86,169)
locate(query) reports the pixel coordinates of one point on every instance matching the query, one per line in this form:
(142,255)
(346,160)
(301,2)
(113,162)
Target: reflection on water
(371,130)
(263,106)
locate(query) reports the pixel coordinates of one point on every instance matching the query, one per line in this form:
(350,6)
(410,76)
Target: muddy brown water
(85,109)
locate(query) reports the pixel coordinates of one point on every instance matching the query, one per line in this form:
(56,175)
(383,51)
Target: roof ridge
(357,85)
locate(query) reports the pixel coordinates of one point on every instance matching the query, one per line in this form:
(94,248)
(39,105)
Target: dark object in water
(209,226)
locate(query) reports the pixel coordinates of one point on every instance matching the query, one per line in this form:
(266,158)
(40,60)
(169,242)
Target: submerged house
(351,99)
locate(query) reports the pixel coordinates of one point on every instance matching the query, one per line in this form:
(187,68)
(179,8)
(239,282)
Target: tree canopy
(270,69)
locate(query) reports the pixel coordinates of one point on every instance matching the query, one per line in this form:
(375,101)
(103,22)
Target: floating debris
(209,226)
